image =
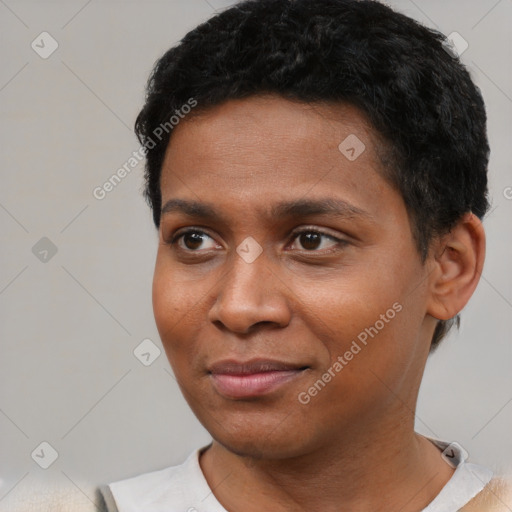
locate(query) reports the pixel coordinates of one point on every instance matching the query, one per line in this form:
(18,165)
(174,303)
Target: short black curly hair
(418,96)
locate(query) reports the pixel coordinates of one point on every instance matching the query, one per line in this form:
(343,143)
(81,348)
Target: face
(288,292)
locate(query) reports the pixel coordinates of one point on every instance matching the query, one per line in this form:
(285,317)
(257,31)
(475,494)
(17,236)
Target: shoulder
(496,496)
(138,490)
(176,486)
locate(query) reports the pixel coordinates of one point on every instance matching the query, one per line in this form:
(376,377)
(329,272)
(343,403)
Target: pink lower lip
(253,384)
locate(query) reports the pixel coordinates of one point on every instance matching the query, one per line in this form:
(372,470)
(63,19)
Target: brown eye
(191,240)
(311,240)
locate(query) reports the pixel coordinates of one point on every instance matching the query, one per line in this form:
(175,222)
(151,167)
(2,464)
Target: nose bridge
(246,280)
(249,293)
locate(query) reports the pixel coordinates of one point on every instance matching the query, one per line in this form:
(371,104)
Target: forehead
(273,120)
(259,149)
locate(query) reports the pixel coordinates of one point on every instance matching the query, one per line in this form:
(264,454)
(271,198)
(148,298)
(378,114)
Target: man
(317,172)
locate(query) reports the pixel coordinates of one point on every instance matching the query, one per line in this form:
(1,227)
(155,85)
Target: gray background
(69,324)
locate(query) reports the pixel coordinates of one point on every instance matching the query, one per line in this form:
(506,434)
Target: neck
(386,468)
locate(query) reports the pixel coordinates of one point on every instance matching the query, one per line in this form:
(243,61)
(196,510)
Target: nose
(250,294)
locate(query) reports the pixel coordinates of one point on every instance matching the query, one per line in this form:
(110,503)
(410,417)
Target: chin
(259,448)
(262,440)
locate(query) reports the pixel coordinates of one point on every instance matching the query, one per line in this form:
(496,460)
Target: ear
(456,263)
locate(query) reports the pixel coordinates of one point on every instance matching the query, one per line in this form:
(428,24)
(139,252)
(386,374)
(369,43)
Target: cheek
(370,319)
(173,307)
(180,307)
(173,299)
(368,360)
(165,306)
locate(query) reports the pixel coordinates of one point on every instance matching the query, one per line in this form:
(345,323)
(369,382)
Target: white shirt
(184,488)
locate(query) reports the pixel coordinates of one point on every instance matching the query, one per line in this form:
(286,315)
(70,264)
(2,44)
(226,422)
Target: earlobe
(457,264)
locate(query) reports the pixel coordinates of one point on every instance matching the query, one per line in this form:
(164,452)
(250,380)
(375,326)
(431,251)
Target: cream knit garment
(495,497)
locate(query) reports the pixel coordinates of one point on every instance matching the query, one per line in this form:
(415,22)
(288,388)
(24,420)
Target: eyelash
(295,234)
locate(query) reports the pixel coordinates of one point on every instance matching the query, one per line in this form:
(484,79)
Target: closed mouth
(238,380)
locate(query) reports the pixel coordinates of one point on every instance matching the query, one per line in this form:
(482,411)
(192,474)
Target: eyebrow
(284,209)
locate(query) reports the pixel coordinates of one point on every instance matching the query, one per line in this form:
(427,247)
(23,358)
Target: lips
(234,379)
